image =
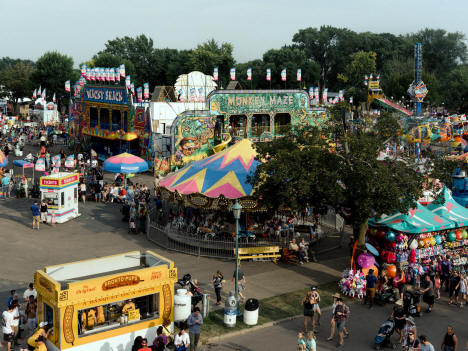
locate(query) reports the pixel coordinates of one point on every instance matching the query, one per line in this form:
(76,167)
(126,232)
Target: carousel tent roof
(224,173)
(446,206)
(417,220)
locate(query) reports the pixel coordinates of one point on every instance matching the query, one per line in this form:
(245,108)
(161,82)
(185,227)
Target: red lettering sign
(69,180)
(53,182)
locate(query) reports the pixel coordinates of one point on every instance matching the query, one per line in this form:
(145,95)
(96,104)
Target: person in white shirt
(7,326)
(28,292)
(425,344)
(182,339)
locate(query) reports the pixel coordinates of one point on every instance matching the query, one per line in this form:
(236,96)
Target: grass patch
(271,309)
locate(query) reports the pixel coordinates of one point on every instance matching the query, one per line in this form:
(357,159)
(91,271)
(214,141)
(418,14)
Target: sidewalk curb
(217,339)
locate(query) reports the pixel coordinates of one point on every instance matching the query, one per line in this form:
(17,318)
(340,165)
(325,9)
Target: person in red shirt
(144,345)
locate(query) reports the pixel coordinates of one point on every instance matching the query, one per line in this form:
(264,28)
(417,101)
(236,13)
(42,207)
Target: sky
(81,28)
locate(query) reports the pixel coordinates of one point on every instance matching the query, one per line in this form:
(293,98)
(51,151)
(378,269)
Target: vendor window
(117,314)
(51,199)
(104,118)
(116,120)
(62,199)
(93,117)
(48,314)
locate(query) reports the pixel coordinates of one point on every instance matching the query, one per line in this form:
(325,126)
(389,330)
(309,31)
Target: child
(132,226)
(301,343)
(463,289)
(437,285)
(52,218)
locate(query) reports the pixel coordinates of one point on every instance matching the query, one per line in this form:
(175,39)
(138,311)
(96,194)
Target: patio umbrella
(125,163)
(24,164)
(3,160)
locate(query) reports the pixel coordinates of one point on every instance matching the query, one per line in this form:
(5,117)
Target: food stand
(104,303)
(60,191)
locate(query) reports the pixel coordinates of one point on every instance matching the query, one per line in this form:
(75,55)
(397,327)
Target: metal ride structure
(418,90)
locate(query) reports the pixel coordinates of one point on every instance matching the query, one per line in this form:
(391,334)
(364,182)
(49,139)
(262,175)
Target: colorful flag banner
(316,93)
(283,75)
(56,161)
(268,74)
(111,75)
(299,74)
(40,165)
(88,73)
(233,74)
(117,74)
(34,93)
(192,94)
(132,88)
(122,70)
(201,98)
(39,91)
(180,94)
(127,82)
(107,75)
(325,95)
(83,70)
(215,73)
(53,98)
(311,93)
(102,72)
(55,170)
(139,94)
(351,100)
(70,161)
(249,73)
(146,93)
(92,74)
(44,93)
(340,95)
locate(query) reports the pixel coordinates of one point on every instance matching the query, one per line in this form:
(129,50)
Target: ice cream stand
(60,191)
(104,303)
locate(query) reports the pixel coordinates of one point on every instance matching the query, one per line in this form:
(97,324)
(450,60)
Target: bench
(259,252)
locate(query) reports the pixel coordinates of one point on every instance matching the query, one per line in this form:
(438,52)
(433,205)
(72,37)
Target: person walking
(241,281)
(336,296)
(310,342)
(30,312)
(371,279)
(340,316)
(316,307)
(301,342)
(463,289)
(428,293)
(399,316)
(446,268)
(218,286)
(36,214)
(412,342)
(83,192)
(7,326)
(181,341)
(194,322)
(308,304)
(425,344)
(454,288)
(43,210)
(450,340)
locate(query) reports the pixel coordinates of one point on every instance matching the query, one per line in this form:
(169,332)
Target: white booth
(60,191)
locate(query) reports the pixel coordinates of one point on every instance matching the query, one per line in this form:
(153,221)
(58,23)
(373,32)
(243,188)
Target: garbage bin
(230,311)
(251,312)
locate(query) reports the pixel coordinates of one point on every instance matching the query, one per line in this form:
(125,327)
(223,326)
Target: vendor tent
(224,173)
(417,220)
(446,207)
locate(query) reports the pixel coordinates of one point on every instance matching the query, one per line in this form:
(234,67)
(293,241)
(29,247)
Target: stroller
(187,283)
(387,295)
(411,301)
(382,339)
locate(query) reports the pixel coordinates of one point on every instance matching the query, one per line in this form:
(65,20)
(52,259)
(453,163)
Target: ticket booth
(60,191)
(104,303)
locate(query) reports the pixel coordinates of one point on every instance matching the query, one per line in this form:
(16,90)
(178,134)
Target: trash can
(205,305)
(251,312)
(230,311)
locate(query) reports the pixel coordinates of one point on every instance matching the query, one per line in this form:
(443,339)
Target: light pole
(236,210)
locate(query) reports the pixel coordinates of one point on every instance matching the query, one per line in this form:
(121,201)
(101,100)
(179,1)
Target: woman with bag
(218,286)
(182,341)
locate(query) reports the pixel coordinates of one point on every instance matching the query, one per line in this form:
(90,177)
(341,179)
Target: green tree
(302,171)
(16,81)
(51,71)
(455,89)
(329,47)
(206,56)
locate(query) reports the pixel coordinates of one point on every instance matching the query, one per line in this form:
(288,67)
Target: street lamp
(236,210)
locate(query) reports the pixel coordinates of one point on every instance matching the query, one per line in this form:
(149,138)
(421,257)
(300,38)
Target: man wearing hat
(335,296)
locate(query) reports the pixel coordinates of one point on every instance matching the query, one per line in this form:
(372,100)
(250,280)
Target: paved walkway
(100,231)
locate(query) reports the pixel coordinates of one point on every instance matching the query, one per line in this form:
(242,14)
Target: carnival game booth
(60,191)
(104,303)
(420,238)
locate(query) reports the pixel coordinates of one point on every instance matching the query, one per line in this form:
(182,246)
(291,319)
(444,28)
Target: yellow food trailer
(104,303)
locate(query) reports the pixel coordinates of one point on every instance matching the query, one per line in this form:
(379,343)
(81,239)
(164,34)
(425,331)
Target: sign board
(373,84)
(234,102)
(107,95)
(59,181)
(134,315)
(420,91)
